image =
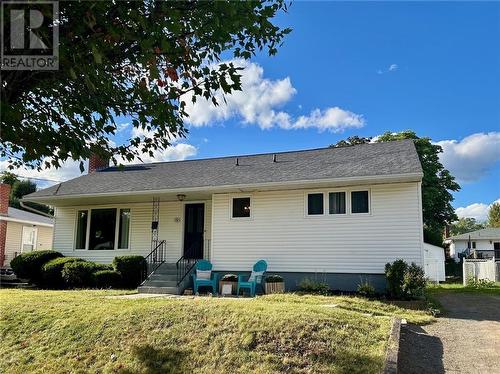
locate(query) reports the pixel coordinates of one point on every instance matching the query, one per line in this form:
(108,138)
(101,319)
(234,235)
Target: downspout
(34,210)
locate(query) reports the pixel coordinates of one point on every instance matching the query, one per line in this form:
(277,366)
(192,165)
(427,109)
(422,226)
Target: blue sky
(430,67)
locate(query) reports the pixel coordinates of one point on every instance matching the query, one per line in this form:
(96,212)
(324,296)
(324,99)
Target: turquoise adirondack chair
(255,278)
(204,265)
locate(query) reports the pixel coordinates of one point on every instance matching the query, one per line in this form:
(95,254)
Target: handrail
(184,266)
(154,259)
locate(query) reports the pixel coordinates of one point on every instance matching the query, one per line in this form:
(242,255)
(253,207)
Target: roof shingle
(378,159)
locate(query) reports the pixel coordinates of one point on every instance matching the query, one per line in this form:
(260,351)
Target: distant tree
(352,140)
(20,188)
(464,225)
(437,183)
(494,215)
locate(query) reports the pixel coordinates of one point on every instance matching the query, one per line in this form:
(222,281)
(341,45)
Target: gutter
(409,177)
(34,223)
(34,210)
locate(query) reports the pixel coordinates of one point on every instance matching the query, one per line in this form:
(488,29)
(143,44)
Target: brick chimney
(4,208)
(97,163)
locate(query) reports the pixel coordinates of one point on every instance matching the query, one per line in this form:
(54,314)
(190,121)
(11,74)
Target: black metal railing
(155,258)
(184,266)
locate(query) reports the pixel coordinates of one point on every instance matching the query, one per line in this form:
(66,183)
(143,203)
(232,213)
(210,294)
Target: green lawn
(85,331)
(459,287)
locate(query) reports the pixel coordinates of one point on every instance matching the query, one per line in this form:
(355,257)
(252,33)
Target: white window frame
(232,197)
(306,204)
(369,213)
(35,229)
(117,228)
(347,203)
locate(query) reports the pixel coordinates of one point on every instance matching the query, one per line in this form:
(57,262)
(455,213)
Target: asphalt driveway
(466,339)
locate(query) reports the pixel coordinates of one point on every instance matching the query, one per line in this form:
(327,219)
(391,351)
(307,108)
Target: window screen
(241,207)
(336,202)
(315,203)
(359,202)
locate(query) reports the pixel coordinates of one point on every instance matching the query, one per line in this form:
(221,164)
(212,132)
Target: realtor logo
(30,35)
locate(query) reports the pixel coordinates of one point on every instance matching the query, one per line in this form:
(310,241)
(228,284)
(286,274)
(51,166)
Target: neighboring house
(434,263)
(21,231)
(333,214)
(486,243)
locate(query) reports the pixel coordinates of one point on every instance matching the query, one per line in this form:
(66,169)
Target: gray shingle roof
(378,159)
(23,215)
(488,233)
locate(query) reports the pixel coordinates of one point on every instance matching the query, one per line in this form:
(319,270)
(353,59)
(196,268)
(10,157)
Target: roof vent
(274,158)
(237,162)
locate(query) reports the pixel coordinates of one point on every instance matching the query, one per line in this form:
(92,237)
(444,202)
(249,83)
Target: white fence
(481,269)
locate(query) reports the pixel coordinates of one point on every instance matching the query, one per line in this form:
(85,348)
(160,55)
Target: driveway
(466,339)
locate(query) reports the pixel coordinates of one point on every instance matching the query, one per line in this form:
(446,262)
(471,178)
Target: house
(21,231)
(485,242)
(333,214)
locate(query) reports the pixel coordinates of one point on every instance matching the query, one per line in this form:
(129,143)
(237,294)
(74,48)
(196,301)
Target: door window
(29,239)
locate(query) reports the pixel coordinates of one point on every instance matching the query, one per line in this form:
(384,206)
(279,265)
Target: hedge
(130,268)
(29,265)
(107,279)
(80,274)
(52,272)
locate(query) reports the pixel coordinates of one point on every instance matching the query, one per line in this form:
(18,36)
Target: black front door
(496,247)
(194,218)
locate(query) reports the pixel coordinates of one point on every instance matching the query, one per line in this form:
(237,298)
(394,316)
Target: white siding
(171,218)
(14,238)
(280,233)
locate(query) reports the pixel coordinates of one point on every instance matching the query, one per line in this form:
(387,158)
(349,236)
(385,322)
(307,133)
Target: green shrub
(29,265)
(80,274)
(52,272)
(414,281)
(404,281)
(312,286)
(479,283)
(130,268)
(366,289)
(107,279)
(274,278)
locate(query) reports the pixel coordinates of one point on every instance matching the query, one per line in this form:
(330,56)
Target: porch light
(181,197)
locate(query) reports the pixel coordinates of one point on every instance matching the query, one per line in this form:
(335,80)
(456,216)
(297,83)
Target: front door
(496,247)
(194,218)
(29,239)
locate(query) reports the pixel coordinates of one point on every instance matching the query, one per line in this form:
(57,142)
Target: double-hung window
(336,202)
(103,229)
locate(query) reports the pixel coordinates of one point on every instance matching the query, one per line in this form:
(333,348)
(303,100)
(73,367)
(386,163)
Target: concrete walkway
(466,339)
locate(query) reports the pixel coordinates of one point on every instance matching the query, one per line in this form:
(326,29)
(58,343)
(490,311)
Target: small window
(473,245)
(81,229)
(336,202)
(315,204)
(123,232)
(359,202)
(241,207)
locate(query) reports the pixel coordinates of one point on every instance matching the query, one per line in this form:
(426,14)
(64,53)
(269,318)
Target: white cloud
(472,157)
(176,152)
(332,119)
(391,67)
(260,102)
(47,177)
(479,211)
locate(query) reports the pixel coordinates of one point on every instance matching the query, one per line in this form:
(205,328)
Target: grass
(460,288)
(85,331)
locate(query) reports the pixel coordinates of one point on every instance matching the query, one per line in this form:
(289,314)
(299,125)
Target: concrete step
(164,277)
(157,290)
(159,283)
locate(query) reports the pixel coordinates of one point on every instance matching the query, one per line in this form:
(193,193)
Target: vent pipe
(237,162)
(274,158)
